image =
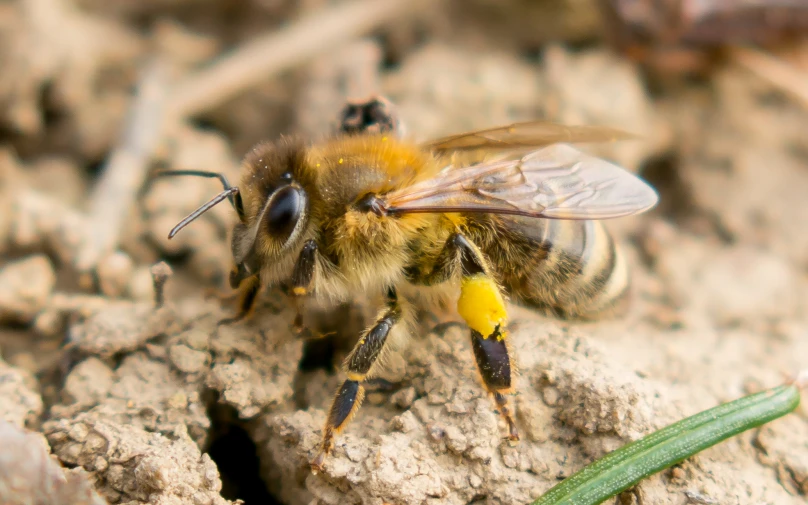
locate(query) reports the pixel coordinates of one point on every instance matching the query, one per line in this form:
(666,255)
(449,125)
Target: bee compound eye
(284,211)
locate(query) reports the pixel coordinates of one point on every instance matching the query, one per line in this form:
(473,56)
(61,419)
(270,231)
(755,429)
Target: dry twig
(264,57)
(784,77)
(126,169)
(160,274)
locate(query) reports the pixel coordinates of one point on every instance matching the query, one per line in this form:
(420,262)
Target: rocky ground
(109,393)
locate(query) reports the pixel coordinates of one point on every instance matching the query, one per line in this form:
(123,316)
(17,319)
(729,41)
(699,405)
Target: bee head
(276,206)
(271,203)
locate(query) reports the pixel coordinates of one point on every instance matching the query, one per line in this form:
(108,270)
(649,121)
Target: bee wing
(557,182)
(521,135)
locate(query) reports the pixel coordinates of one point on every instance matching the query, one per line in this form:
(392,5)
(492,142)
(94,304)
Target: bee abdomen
(602,283)
(576,271)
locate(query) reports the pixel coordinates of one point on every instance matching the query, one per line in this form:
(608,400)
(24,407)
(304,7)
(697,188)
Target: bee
(506,212)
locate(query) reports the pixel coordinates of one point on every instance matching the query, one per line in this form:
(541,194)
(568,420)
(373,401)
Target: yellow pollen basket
(481,305)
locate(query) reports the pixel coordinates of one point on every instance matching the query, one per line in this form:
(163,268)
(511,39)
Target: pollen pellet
(481,304)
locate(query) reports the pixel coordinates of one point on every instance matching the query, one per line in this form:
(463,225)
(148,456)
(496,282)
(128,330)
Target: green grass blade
(625,467)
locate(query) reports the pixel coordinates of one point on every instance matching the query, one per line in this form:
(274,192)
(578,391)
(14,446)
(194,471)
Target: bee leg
(444,267)
(302,276)
(220,295)
(482,307)
(494,364)
(248,295)
(358,366)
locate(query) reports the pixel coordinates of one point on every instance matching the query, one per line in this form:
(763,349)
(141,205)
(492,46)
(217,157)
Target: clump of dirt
(119,385)
(22,404)
(28,474)
(26,286)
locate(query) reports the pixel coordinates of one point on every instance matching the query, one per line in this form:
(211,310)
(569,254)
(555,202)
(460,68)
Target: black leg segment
(303,273)
(302,277)
(358,366)
(493,361)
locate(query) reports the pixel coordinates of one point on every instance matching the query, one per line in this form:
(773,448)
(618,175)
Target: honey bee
(513,211)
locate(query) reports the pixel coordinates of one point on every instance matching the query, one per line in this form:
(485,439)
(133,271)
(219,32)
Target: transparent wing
(520,135)
(557,182)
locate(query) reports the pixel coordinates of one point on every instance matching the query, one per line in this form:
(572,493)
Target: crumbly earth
(109,393)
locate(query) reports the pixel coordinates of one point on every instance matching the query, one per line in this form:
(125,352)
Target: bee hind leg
(482,307)
(358,366)
(494,365)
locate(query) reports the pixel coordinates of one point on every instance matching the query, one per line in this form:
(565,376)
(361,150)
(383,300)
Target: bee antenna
(202,173)
(227,193)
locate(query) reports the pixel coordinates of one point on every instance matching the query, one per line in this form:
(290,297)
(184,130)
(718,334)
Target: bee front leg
(359,367)
(302,277)
(248,294)
(482,307)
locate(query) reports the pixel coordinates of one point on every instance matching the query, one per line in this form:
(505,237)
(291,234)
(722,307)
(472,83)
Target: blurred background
(97,95)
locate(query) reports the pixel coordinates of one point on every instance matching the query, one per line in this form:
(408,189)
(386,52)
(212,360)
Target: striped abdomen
(573,269)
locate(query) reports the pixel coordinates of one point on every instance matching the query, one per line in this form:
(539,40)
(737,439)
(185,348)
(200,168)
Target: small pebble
(25,286)
(115,273)
(550,395)
(49,323)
